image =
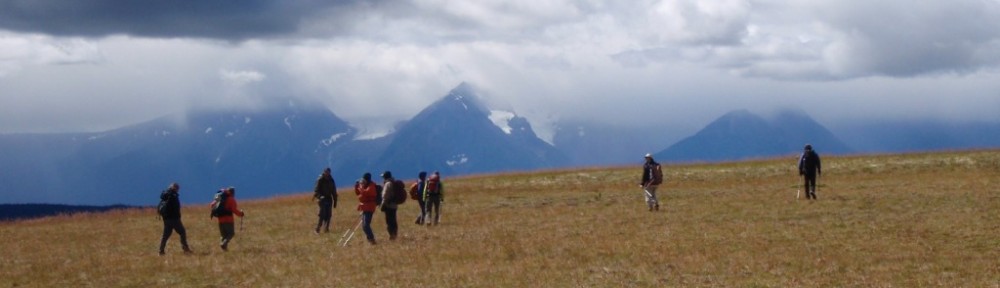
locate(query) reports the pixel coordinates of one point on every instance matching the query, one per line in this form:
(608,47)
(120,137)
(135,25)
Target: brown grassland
(913,220)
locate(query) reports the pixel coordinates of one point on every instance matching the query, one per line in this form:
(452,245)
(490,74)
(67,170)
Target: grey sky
(99,64)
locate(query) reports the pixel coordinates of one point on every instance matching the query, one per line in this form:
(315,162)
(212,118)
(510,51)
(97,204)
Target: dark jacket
(809,164)
(173,207)
(326,189)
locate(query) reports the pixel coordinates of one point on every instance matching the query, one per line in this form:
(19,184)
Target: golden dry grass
(882,221)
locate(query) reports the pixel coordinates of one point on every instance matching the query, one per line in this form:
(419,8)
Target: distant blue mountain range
(283,148)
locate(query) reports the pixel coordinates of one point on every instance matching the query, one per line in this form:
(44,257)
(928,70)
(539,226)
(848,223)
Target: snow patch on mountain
(458,159)
(288,122)
(208,130)
(333,138)
(501,119)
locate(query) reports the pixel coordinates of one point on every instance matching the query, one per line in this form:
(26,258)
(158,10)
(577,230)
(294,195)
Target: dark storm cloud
(215,19)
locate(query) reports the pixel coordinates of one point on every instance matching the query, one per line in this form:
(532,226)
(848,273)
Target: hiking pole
(342,241)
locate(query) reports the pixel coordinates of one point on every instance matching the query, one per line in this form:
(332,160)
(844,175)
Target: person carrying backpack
(224,207)
(433,196)
(417,193)
(367,195)
(326,192)
(810,167)
(170,211)
(652,177)
(390,200)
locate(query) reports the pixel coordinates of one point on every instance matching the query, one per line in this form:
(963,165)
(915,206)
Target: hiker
(367,196)
(810,167)
(417,193)
(652,177)
(326,193)
(433,197)
(389,205)
(170,211)
(226,198)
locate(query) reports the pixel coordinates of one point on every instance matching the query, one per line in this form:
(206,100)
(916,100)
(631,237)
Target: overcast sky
(92,65)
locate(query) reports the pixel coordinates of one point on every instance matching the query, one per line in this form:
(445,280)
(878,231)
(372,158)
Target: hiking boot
(224,247)
(162,253)
(371,241)
(657,207)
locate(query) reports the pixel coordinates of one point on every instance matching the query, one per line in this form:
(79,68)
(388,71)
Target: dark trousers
(366,225)
(169,226)
(423,211)
(228,230)
(390,222)
(325,213)
(433,204)
(810,186)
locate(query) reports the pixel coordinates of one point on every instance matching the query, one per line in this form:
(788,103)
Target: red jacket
(231,206)
(366,197)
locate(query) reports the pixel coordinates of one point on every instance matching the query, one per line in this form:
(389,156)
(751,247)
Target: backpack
(398,191)
(378,195)
(657,175)
(162,207)
(219,205)
(415,191)
(432,186)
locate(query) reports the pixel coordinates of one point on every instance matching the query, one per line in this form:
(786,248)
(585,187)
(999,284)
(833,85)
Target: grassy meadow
(914,220)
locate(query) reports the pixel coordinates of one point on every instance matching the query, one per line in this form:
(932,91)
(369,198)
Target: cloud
(212,19)
(827,40)
(241,78)
(673,63)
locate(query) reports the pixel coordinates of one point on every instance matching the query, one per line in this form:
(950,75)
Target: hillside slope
(901,220)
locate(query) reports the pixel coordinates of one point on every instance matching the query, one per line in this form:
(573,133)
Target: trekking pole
(342,241)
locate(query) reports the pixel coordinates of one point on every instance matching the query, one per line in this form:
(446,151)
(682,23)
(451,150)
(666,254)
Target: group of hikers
(428,192)
(223,208)
(652,176)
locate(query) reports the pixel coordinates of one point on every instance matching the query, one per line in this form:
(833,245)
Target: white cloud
(673,63)
(241,78)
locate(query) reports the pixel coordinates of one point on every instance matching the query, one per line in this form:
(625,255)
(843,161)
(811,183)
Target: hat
(422,175)
(809,147)
(386,174)
(649,155)
(367,176)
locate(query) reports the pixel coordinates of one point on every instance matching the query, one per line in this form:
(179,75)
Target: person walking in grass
(810,168)
(170,212)
(326,192)
(652,177)
(417,193)
(389,206)
(367,201)
(433,197)
(226,198)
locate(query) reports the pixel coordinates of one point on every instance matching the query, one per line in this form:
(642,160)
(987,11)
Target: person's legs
(228,230)
(325,213)
(811,186)
(391,223)
(651,200)
(367,226)
(420,218)
(435,207)
(183,233)
(167,230)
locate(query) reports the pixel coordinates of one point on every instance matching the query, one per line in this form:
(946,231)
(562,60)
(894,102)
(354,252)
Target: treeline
(10,212)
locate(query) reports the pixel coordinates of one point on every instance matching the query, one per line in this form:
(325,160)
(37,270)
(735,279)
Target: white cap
(649,155)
